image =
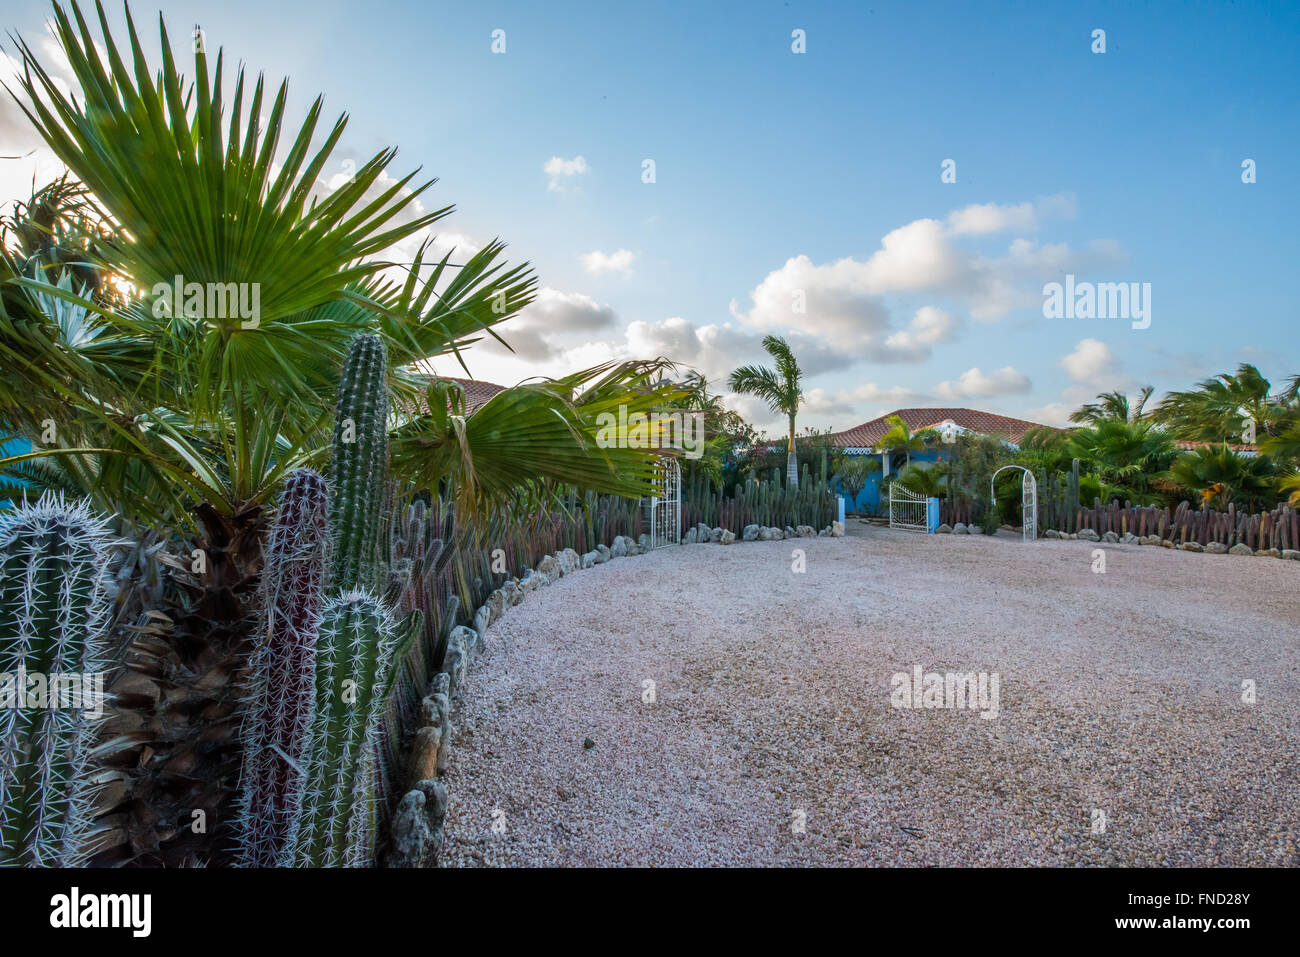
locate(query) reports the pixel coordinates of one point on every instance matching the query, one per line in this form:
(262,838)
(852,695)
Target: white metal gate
(665,507)
(907,509)
(1028,502)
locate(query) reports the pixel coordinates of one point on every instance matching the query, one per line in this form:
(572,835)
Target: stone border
(1128,538)
(702,534)
(1212,548)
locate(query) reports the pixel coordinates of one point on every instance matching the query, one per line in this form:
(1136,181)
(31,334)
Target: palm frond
(195,198)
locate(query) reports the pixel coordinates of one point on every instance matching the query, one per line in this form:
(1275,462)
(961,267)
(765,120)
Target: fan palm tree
(1113,406)
(780,388)
(198,419)
(1124,453)
(1222,476)
(1285,445)
(1289,485)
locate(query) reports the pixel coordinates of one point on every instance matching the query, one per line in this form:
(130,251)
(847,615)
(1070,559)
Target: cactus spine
(359,467)
(341,800)
(283,671)
(52,612)
(357,638)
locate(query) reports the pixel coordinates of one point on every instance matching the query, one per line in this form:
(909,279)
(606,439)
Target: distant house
(1245,451)
(864,439)
(477,392)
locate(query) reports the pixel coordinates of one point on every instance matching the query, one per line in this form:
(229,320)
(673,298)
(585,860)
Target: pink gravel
(1120,701)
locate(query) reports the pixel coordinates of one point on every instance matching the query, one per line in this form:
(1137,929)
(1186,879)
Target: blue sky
(780,175)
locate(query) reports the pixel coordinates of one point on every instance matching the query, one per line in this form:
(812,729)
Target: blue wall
(869,497)
(13,447)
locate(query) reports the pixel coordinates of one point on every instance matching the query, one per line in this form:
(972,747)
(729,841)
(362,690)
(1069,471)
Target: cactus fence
(768,503)
(1061,510)
(1278,528)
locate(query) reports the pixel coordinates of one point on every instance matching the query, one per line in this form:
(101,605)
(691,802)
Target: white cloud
(561,170)
(898,396)
(32,163)
(820,402)
(843,299)
(977,220)
(916,258)
(537,332)
(982,219)
(597,263)
(1091,362)
(1054,413)
(929,327)
(973,383)
(1093,369)
(838,303)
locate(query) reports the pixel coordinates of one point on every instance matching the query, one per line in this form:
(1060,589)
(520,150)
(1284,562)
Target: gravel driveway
(1121,736)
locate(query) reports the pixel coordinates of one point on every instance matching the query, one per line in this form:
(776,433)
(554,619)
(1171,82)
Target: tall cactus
(283,671)
(341,802)
(359,467)
(52,612)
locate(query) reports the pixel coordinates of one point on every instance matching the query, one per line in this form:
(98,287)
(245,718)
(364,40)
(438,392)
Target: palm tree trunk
(186,752)
(792,461)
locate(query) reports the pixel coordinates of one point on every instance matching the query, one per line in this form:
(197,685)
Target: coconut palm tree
(724,428)
(780,388)
(930,482)
(900,438)
(1113,406)
(1044,449)
(1227,407)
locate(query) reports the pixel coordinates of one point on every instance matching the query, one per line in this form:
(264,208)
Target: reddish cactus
(283,671)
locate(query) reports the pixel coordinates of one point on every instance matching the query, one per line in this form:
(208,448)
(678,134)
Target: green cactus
(358,638)
(52,613)
(359,467)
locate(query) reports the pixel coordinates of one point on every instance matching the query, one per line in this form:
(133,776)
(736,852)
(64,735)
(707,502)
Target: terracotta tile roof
(477,392)
(866,435)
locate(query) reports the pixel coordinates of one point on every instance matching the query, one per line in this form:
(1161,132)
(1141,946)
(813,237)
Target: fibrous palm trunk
(170,751)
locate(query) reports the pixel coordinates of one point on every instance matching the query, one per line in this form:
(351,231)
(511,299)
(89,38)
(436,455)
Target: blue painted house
(15,446)
(865,440)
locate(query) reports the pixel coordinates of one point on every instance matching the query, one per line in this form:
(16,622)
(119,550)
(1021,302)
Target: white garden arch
(665,506)
(1028,501)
